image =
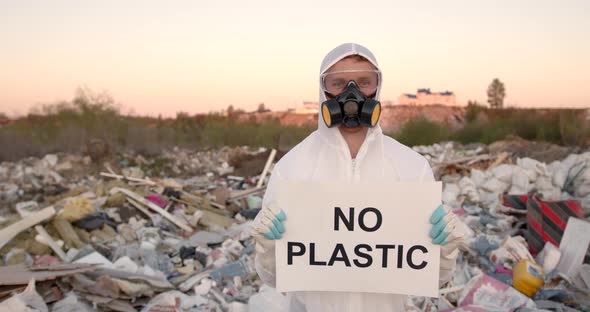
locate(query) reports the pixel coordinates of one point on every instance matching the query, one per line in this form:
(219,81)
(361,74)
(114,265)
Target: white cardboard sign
(358,238)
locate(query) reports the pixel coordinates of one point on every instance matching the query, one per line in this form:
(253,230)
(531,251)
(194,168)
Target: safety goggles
(334,83)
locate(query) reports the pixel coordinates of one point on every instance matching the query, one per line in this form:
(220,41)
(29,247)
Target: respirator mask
(352,102)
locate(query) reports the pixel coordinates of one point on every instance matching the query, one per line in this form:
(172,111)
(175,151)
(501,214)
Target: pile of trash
(527,234)
(171,232)
(118,240)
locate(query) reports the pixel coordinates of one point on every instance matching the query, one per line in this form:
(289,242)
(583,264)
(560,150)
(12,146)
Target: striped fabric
(515,201)
(546,219)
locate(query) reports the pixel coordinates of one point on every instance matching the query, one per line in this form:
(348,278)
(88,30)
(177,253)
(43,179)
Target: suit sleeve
(265,252)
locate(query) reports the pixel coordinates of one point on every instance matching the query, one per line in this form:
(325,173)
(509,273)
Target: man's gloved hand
(269,222)
(445,226)
(266,228)
(447,231)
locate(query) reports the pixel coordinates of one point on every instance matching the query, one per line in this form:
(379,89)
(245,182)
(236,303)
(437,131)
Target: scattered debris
(122,240)
(485,293)
(126,240)
(516,207)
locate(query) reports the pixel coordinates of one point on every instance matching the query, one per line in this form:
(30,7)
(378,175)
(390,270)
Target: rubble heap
(171,232)
(117,240)
(527,234)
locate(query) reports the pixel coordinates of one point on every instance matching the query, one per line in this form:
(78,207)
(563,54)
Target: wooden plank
(49,240)
(21,275)
(9,232)
(246,193)
(135,277)
(195,199)
(54,246)
(153,207)
(6,291)
(125,178)
(499,160)
(140,208)
(269,161)
(201,206)
(463,160)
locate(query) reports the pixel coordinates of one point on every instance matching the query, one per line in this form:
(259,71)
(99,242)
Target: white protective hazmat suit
(325,156)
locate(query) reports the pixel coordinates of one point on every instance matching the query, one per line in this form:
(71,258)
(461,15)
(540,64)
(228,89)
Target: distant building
(308,107)
(425,97)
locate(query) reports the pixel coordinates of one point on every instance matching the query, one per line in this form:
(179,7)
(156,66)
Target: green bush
(565,127)
(473,110)
(574,128)
(68,126)
(530,124)
(421,132)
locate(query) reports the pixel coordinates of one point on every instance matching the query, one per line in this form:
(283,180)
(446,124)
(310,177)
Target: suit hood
(332,136)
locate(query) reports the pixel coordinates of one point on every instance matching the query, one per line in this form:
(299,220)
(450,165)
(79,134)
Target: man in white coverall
(350,151)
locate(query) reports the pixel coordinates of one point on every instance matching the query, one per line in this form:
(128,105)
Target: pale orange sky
(163,57)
